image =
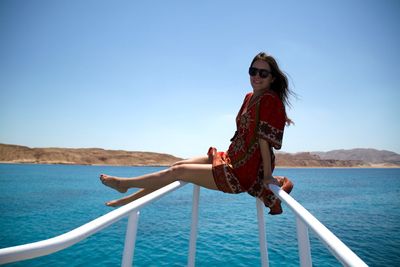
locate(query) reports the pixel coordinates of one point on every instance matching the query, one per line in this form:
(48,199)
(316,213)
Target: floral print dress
(240,169)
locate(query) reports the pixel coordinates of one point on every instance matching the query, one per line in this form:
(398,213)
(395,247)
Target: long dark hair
(280,84)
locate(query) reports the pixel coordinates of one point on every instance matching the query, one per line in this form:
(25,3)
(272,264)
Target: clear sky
(170,76)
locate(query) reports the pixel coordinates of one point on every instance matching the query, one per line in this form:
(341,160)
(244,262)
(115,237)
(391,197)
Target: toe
(111,203)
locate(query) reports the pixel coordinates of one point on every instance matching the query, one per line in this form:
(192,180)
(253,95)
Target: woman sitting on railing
(248,164)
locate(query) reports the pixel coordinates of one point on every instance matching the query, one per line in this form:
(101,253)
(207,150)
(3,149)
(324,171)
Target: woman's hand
(289,121)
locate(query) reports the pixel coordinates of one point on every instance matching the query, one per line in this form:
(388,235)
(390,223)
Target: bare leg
(196,160)
(117,184)
(113,182)
(200,174)
(130,198)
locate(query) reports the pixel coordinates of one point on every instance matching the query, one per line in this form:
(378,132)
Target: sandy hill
(84,156)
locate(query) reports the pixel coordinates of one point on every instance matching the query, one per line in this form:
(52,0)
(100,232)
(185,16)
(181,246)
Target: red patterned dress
(240,169)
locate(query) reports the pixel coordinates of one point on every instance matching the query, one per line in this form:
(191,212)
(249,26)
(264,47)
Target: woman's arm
(266,158)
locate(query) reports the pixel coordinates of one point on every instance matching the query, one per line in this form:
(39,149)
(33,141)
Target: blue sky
(170,76)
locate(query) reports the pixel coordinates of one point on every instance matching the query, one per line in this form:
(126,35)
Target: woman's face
(258,83)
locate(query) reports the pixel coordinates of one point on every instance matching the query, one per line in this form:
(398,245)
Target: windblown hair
(280,84)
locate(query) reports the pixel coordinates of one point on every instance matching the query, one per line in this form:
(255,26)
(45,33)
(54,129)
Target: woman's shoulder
(272,98)
(247,97)
(249,94)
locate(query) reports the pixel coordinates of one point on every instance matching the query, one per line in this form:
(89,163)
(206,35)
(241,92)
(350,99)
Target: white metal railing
(49,246)
(304,220)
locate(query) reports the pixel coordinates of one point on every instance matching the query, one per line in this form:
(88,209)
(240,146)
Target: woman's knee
(178,170)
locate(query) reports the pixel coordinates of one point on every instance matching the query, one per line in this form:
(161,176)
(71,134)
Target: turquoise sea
(360,206)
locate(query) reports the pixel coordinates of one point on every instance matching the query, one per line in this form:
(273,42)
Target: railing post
(261,233)
(193,230)
(303,243)
(130,239)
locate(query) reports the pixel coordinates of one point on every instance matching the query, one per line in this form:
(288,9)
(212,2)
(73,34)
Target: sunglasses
(261,72)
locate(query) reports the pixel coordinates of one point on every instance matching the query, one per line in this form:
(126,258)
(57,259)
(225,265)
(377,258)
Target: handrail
(345,255)
(45,247)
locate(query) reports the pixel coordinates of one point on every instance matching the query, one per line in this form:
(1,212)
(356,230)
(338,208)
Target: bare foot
(130,198)
(118,202)
(113,182)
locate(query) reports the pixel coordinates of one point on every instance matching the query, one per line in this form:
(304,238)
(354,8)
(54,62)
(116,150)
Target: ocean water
(360,206)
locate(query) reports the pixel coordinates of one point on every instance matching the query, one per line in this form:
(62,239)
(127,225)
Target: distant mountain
(98,156)
(307,159)
(83,156)
(366,155)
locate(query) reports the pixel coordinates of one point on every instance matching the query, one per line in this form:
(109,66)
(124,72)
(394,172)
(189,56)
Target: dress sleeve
(272,117)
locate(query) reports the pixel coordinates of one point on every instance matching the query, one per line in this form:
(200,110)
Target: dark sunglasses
(261,72)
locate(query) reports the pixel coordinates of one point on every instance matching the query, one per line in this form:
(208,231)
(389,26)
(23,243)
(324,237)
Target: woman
(248,164)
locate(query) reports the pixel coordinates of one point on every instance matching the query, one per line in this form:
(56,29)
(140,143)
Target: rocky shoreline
(97,156)
(310,160)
